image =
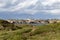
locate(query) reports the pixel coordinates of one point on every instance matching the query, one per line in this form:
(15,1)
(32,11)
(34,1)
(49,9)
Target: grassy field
(29,32)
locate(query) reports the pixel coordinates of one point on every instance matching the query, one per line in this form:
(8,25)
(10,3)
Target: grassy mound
(29,32)
(5,25)
(9,31)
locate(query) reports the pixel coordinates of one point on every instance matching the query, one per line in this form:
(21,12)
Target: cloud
(13,1)
(2,4)
(54,12)
(47,6)
(20,5)
(48,2)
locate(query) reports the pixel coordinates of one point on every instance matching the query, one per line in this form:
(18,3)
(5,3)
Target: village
(32,21)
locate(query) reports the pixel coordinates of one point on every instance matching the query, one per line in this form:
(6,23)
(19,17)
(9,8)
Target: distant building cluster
(31,21)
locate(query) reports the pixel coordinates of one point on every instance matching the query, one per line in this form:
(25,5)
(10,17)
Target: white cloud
(27,3)
(49,2)
(31,11)
(24,4)
(14,1)
(54,12)
(2,4)
(20,5)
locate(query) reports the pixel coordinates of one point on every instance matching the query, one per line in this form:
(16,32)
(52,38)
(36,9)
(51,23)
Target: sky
(33,9)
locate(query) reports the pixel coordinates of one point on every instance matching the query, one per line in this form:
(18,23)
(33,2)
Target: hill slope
(29,32)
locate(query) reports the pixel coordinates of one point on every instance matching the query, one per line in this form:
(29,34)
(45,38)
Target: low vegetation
(10,31)
(5,25)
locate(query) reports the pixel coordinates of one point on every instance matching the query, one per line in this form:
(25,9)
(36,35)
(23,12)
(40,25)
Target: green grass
(29,32)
